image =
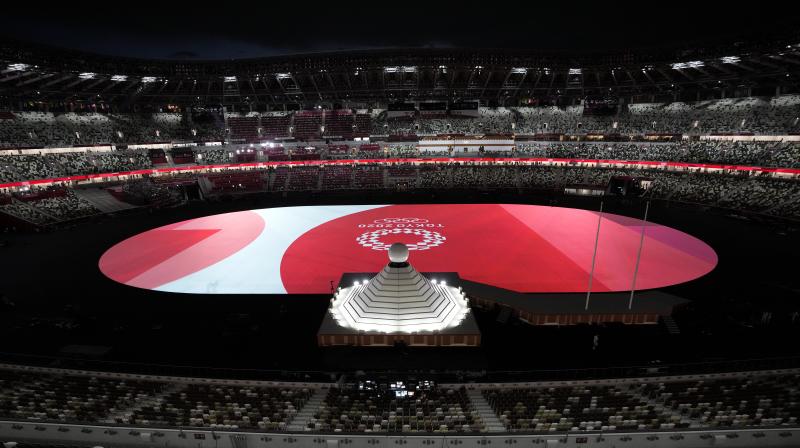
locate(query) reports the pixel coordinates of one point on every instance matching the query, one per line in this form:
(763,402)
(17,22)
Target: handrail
(454,376)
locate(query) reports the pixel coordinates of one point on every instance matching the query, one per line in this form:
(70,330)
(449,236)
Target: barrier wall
(540,161)
(471,145)
(132,436)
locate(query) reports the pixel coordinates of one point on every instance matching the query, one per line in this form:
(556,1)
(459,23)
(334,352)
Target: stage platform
(570,308)
(533,308)
(466,334)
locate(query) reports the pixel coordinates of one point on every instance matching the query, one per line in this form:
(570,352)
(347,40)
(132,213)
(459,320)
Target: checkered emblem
(429,239)
(401,221)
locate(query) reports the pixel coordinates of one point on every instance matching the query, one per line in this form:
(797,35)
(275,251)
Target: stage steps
(300,421)
(490,421)
(102,200)
(672,326)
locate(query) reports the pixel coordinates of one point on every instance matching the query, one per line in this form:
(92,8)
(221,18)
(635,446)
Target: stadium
(382,242)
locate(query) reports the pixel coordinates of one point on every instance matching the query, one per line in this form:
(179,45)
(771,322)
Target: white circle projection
(300,250)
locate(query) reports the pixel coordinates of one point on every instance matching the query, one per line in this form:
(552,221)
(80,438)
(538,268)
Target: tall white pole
(594,255)
(639,255)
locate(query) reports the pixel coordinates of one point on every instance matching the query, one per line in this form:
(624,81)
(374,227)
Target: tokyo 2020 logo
(403,228)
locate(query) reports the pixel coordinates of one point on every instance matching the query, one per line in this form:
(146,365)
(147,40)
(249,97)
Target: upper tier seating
(273,126)
(244,128)
(307,124)
(752,115)
(339,123)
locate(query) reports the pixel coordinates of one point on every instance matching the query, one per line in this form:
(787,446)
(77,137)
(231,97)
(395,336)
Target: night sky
(224,30)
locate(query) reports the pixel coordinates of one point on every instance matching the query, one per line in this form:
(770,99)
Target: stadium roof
(31,72)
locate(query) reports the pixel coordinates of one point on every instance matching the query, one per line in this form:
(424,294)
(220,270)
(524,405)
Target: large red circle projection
(300,250)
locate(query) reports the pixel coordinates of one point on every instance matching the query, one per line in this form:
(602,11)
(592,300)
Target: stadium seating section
(748,116)
(758,399)
(689,124)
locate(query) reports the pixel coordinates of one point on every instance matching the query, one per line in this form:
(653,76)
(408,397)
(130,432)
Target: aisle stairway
(304,415)
(102,200)
(124,413)
(671,325)
(488,416)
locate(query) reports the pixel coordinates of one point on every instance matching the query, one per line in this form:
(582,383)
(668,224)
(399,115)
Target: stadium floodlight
(283,75)
(17,67)
(146,79)
(575,71)
(87,75)
(229,79)
(690,64)
(519,70)
(730,59)
(119,78)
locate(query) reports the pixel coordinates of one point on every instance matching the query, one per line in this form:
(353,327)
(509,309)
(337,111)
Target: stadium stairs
(102,200)
(488,416)
(143,402)
(206,187)
(671,325)
(304,415)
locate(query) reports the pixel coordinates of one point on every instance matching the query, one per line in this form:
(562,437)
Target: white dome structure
(399,300)
(398,253)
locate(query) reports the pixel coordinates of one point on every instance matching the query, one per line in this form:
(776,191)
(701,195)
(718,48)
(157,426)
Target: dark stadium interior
(723,321)
(137,32)
(162,167)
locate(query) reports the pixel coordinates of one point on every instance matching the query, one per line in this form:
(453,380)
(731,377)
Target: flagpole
(639,255)
(594,255)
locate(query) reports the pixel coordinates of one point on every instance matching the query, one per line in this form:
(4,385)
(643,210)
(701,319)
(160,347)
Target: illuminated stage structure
(397,305)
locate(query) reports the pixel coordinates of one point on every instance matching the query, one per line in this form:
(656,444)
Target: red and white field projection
(300,250)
